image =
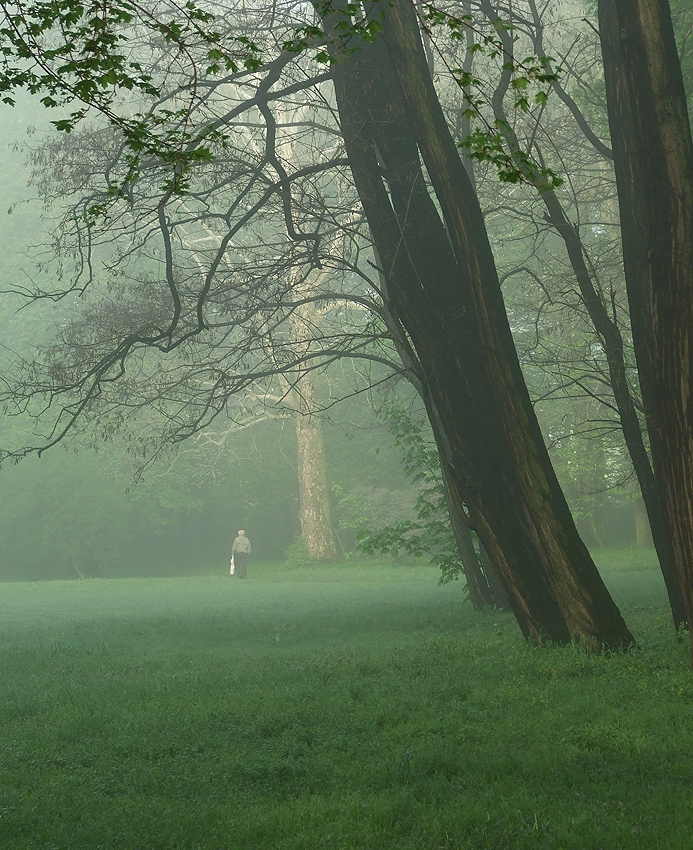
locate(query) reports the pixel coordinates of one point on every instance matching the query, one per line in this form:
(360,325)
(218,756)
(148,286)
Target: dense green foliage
(368,708)
(78,56)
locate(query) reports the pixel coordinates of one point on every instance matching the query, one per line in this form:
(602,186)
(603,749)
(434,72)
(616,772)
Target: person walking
(240,550)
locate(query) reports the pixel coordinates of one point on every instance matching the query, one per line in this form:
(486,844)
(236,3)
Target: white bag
(233,567)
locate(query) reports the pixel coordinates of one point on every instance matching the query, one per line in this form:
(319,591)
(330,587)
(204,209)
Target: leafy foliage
(430,534)
(487,141)
(350,24)
(488,145)
(78,53)
(297,555)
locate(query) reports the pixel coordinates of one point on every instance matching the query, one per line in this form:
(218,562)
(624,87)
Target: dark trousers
(240,559)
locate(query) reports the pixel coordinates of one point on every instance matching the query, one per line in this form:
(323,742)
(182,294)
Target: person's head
(240,532)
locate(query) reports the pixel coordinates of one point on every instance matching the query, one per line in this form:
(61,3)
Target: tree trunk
(653,160)
(314,505)
(479,592)
(313,494)
(612,342)
(500,597)
(596,523)
(483,593)
(595,483)
(477,586)
(485,589)
(643,535)
(444,288)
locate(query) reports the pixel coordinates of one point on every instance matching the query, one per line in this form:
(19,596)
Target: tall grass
(361,706)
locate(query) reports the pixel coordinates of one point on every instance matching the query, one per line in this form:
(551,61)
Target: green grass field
(362,706)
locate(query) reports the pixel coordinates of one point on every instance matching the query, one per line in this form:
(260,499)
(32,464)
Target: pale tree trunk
(596,523)
(653,160)
(314,509)
(314,504)
(596,487)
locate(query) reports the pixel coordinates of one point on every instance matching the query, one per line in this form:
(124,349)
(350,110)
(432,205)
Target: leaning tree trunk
(481,590)
(612,342)
(495,584)
(643,532)
(483,585)
(444,288)
(609,334)
(653,160)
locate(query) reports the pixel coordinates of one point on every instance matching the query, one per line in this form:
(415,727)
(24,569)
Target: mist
(346,452)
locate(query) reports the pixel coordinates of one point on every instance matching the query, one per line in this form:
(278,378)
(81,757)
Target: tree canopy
(244,201)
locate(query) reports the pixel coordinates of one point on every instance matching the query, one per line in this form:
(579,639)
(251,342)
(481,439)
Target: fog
(88,508)
(346,450)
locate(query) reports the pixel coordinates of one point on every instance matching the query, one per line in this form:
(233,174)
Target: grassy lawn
(362,706)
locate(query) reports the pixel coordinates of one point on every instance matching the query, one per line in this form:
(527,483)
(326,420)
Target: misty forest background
(276,300)
(77,511)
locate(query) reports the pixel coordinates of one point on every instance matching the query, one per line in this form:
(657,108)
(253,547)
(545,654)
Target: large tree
(594,301)
(653,159)
(443,286)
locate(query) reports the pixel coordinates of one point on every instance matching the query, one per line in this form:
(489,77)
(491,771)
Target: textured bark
(612,342)
(444,287)
(500,597)
(643,534)
(483,593)
(485,588)
(477,586)
(611,339)
(314,505)
(653,159)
